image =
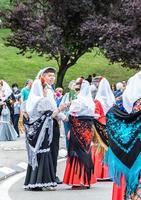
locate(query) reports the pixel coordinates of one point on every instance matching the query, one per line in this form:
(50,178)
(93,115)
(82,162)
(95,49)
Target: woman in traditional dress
(7,131)
(124,132)
(79,170)
(39,135)
(67,99)
(104,100)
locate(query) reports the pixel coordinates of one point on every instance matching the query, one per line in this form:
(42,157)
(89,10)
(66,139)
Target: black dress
(40,170)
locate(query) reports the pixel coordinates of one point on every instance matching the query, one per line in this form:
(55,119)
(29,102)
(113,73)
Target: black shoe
(104,180)
(36,189)
(57,180)
(80,187)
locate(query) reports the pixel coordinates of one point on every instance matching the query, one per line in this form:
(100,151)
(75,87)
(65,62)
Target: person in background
(94,85)
(26,90)
(17,106)
(8,98)
(119,87)
(89,79)
(67,99)
(58,95)
(15,89)
(7,131)
(24,96)
(118,95)
(113,87)
(103,101)
(93,77)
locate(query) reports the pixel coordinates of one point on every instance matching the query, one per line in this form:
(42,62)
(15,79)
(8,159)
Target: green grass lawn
(17,68)
(4,4)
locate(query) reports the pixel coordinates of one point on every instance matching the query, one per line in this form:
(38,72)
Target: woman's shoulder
(44,104)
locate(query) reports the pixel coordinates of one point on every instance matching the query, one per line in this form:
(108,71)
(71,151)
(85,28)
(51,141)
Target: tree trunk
(60,75)
(62,70)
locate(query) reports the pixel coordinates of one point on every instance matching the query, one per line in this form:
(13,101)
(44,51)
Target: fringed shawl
(124,153)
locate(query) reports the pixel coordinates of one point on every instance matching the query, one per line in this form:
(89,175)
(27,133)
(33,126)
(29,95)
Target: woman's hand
(62,107)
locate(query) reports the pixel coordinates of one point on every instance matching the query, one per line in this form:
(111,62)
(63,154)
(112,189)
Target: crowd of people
(12,104)
(102,128)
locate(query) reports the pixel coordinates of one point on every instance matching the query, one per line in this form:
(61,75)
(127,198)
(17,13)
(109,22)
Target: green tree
(67,29)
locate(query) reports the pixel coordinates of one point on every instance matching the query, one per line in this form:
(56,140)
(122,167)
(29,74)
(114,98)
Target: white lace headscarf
(36,93)
(7,90)
(83,105)
(105,95)
(40,73)
(132,92)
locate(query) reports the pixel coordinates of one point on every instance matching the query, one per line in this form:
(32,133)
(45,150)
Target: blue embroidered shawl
(124,153)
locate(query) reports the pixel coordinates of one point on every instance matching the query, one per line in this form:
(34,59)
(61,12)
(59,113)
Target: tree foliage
(65,30)
(118,30)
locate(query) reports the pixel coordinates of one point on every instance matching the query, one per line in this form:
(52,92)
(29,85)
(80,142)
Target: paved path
(12,190)
(13,156)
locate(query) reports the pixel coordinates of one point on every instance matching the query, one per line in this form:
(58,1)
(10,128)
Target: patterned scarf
(124,153)
(36,133)
(80,141)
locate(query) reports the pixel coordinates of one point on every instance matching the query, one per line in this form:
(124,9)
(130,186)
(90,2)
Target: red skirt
(100,170)
(118,192)
(75,175)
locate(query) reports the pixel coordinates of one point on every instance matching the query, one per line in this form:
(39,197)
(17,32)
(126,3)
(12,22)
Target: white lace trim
(43,150)
(5,122)
(53,184)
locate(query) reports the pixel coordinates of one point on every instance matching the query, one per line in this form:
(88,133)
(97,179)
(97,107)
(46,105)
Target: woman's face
(77,88)
(15,89)
(49,77)
(113,87)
